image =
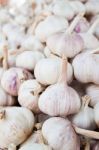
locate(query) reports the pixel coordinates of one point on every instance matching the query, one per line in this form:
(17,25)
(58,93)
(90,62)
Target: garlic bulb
(12,78)
(60,135)
(31,42)
(28,95)
(28,59)
(89,61)
(60,99)
(88,37)
(63,8)
(78,7)
(35,146)
(52,24)
(51,65)
(16,125)
(96,146)
(87,113)
(96,113)
(68,43)
(93,91)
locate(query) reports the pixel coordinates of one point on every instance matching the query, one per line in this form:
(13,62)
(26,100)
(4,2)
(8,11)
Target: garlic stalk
(68,43)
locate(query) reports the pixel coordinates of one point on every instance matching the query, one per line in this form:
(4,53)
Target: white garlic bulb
(63,8)
(87,113)
(52,24)
(16,124)
(86,67)
(51,65)
(35,146)
(28,59)
(68,43)
(28,95)
(31,42)
(58,99)
(60,134)
(93,91)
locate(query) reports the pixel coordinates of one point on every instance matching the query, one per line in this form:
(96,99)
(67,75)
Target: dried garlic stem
(63,78)
(87,133)
(5,58)
(74,23)
(93,27)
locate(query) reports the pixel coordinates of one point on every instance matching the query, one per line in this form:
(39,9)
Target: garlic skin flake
(96,114)
(60,134)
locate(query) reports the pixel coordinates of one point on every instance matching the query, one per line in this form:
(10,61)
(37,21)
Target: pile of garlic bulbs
(49,74)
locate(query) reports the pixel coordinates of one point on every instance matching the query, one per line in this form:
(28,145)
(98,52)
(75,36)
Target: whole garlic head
(52,24)
(28,95)
(87,113)
(12,79)
(68,43)
(28,59)
(60,99)
(60,134)
(16,124)
(86,67)
(51,65)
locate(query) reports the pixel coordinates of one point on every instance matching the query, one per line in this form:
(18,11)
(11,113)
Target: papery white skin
(28,59)
(4,16)
(97,28)
(16,125)
(92,7)
(68,43)
(52,24)
(96,113)
(31,42)
(28,95)
(63,8)
(51,65)
(93,91)
(47,52)
(78,7)
(90,67)
(12,79)
(60,134)
(35,146)
(87,113)
(60,99)
(6,99)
